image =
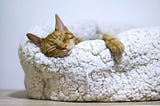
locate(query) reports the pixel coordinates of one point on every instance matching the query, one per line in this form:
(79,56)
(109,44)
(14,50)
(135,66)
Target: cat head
(56,44)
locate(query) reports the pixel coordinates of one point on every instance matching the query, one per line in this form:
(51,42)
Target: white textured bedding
(87,74)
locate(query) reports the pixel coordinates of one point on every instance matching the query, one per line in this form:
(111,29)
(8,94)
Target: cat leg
(115,46)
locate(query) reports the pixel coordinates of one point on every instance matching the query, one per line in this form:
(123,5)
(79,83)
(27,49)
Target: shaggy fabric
(88,73)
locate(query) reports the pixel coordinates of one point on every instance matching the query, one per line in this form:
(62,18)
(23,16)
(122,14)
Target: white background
(18,16)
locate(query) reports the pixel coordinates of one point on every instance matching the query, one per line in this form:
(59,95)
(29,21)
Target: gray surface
(19,98)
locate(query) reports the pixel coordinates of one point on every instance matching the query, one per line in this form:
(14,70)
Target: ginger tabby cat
(61,41)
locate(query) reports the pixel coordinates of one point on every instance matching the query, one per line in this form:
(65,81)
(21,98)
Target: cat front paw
(115,46)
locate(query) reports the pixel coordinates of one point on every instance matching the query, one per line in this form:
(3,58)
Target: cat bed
(88,73)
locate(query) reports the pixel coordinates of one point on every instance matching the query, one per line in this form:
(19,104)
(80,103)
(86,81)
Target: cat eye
(50,51)
(54,46)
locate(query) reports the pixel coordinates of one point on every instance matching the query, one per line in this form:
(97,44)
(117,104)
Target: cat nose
(64,47)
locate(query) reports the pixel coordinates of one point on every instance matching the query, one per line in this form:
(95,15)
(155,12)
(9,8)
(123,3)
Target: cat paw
(115,46)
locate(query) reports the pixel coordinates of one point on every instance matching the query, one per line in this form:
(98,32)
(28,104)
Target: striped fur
(61,41)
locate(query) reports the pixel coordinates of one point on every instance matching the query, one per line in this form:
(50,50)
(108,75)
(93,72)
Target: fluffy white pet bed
(87,74)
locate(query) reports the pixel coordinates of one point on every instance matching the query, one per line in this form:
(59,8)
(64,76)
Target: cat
(58,43)
(61,41)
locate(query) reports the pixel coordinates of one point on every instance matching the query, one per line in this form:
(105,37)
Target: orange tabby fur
(115,46)
(58,43)
(61,41)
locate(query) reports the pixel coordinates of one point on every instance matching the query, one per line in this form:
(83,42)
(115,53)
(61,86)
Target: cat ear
(59,24)
(35,39)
